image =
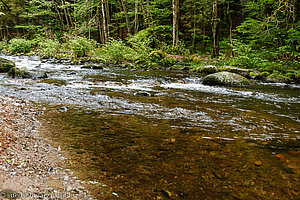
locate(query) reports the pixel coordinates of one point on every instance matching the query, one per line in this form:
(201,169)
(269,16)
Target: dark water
(183,140)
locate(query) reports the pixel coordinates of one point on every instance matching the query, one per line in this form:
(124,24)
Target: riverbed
(164,135)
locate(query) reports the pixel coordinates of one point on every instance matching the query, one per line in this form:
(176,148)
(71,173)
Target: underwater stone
(143,94)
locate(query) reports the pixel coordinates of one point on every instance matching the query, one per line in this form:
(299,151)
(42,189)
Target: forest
(262,35)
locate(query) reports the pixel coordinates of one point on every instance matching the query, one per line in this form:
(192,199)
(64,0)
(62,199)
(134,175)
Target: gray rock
(240,71)
(16,72)
(209,69)
(226,79)
(6,65)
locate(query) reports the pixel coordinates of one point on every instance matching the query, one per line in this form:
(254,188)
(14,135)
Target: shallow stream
(164,135)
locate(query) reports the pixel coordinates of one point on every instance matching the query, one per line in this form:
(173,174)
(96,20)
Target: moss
(278,78)
(265,74)
(255,75)
(196,60)
(6,65)
(157,56)
(19,72)
(226,79)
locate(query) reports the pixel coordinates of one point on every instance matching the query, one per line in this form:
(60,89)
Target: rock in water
(93,66)
(6,65)
(226,79)
(143,94)
(209,69)
(19,72)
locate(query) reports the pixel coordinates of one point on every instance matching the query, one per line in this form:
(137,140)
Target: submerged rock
(93,66)
(63,109)
(143,94)
(41,75)
(226,79)
(6,65)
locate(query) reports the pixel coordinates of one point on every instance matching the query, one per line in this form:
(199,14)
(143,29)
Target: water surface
(164,135)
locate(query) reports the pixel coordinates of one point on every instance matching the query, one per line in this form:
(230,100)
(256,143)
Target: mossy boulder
(236,70)
(19,72)
(226,79)
(208,69)
(278,78)
(196,60)
(6,65)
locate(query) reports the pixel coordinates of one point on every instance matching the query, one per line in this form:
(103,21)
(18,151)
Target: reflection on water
(182,141)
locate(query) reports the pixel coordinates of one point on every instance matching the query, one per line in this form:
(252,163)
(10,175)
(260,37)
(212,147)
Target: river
(164,135)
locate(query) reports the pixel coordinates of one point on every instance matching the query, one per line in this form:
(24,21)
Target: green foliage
(81,46)
(20,46)
(48,47)
(142,43)
(118,51)
(196,60)
(157,56)
(3,45)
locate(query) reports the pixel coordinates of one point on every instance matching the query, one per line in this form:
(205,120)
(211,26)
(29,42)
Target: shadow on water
(164,135)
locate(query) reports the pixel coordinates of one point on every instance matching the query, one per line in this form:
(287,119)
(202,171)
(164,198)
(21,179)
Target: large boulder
(16,72)
(209,69)
(226,79)
(6,65)
(240,71)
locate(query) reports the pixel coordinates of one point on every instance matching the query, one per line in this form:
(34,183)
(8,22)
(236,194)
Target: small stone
(258,163)
(280,156)
(69,188)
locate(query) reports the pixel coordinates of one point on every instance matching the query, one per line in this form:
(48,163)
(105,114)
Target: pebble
(31,156)
(258,163)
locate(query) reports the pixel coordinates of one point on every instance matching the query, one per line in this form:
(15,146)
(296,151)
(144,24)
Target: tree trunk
(144,14)
(125,14)
(148,13)
(69,15)
(136,17)
(107,17)
(99,24)
(175,22)
(65,11)
(104,23)
(230,28)
(214,28)
(194,27)
(59,15)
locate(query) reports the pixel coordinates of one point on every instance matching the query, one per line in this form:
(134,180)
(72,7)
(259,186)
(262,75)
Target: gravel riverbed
(30,167)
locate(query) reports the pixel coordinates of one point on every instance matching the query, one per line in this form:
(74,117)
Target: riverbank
(29,166)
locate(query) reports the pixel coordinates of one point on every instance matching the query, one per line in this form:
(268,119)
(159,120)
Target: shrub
(19,46)
(49,48)
(3,45)
(81,46)
(118,51)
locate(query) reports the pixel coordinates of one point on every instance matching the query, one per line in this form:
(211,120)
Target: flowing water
(164,135)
